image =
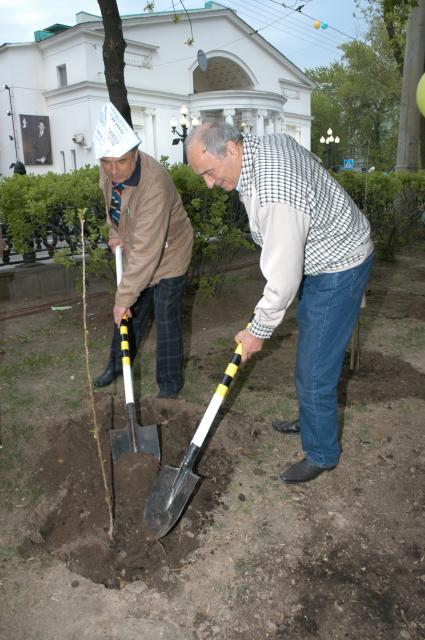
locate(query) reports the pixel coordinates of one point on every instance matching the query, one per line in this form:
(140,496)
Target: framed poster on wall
(35,131)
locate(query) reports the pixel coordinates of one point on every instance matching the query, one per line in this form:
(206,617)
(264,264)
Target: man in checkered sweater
(315,242)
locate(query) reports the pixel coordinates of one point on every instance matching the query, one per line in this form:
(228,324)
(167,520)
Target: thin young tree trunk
(409,129)
(113,57)
(422,143)
(96,430)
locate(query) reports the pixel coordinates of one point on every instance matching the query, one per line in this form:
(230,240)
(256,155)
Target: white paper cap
(113,137)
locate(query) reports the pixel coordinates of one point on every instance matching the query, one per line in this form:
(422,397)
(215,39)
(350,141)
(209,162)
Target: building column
(229,114)
(278,124)
(248,119)
(149,132)
(261,114)
(270,126)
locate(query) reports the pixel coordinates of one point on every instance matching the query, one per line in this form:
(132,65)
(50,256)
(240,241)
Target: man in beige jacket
(146,217)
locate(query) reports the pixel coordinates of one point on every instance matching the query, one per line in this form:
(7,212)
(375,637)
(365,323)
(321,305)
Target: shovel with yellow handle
(134,438)
(174,486)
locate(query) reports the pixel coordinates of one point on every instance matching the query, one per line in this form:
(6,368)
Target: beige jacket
(154,227)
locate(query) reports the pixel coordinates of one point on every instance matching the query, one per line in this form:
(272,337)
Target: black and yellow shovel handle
(230,372)
(125,345)
(217,399)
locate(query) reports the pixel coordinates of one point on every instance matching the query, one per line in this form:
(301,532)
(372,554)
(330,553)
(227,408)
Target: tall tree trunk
(113,57)
(393,40)
(422,141)
(409,128)
(422,149)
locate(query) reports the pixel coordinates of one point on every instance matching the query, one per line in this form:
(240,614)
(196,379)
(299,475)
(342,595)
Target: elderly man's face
(217,172)
(120,169)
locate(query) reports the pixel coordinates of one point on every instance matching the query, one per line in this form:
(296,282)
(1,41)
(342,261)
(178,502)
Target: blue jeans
(164,301)
(328,308)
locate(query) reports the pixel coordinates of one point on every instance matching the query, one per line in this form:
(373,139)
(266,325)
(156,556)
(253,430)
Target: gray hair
(214,136)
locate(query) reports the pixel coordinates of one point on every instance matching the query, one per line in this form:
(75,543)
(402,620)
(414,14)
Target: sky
(291,32)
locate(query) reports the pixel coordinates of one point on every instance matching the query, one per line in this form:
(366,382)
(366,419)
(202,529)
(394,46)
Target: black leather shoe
(283,426)
(302,471)
(109,375)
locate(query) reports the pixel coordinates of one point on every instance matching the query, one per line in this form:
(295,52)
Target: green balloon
(420,95)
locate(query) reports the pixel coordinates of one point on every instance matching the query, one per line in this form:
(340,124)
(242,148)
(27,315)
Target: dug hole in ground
(341,557)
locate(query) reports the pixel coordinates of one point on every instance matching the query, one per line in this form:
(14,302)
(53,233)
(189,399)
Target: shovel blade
(168,499)
(145,441)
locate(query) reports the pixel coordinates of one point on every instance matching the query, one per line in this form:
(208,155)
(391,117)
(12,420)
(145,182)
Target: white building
(59,79)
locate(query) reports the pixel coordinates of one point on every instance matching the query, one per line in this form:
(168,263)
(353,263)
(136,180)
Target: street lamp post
(10,113)
(184,123)
(329,141)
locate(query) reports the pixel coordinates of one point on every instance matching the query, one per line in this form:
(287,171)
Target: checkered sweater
(302,218)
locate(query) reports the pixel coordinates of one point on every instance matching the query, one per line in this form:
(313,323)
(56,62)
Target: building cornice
(100,87)
(213,99)
(238,99)
(296,85)
(89,35)
(291,115)
(16,45)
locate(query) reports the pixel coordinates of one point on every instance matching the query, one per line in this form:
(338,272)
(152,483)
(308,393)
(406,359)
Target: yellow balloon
(420,95)
(316,24)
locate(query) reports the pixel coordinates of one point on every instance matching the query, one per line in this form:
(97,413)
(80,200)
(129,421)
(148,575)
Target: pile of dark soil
(75,529)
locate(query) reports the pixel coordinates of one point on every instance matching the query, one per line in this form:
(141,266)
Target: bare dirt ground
(342,557)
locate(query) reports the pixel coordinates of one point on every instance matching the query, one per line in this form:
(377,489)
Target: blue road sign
(349,163)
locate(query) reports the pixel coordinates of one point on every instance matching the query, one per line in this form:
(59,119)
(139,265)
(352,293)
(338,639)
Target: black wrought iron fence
(58,234)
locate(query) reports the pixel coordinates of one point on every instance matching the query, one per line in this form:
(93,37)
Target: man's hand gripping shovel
(134,438)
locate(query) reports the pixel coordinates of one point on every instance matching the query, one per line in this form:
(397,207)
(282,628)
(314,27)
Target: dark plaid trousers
(165,301)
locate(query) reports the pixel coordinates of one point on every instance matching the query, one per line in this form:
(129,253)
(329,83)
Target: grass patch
(8,552)
(414,338)
(15,490)
(39,362)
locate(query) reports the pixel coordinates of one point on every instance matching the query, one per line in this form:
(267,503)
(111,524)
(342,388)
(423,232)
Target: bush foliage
(33,205)
(219,223)
(37,206)
(393,204)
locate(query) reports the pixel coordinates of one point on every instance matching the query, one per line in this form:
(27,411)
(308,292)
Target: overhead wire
(241,10)
(300,10)
(225,44)
(293,19)
(252,11)
(297,8)
(288,29)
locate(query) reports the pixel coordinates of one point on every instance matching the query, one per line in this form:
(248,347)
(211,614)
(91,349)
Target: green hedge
(219,222)
(393,204)
(29,203)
